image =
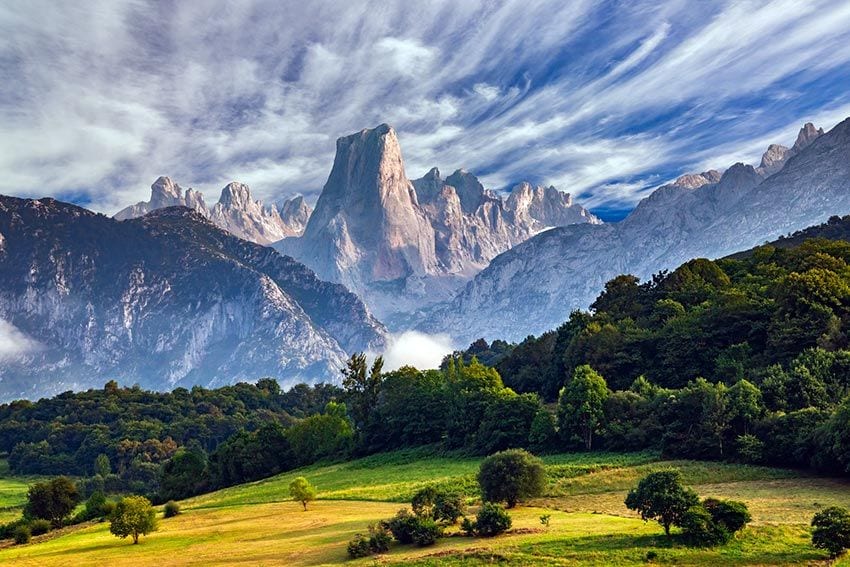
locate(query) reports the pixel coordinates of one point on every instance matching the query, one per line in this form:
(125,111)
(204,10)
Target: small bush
(467,526)
(832,530)
(170,509)
(359,547)
(651,556)
(699,529)
(491,520)
(426,532)
(39,527)
(7,531)
(402,526)
(730,514)
(22,535)
(379,538)
(544,519)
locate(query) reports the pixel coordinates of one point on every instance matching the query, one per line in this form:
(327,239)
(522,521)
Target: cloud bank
(420,350)
(603,99)
(14,343)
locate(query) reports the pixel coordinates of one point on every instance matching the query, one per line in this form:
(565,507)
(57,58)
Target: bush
(832,530)
(22,535)
(359,547)
(730,514)
(467,526)
(402,526)
(511,476)
(700,529)
(170,509)
(379,538)
(439,505)
(491,520)
(426,532)
(39,527)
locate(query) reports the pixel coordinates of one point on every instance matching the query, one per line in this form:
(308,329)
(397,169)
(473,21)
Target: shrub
(832,530)
(467,526)
(39,527)
(426,532)
(491,520)
(700,529)
(22,535)
(170,509)
(730,514)
(379,538)
(660,496)
(302,491)
(402,526)
(359,547)
(544,519)
(437,504)
(511,476)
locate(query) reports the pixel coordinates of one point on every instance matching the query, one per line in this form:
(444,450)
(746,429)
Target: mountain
(401,244)
(163,300)
(236,211)
(534,286)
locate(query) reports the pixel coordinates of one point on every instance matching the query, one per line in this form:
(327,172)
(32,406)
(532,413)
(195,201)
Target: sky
(604,100)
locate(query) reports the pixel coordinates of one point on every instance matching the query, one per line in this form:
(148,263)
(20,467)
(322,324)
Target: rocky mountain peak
(808,134)
(469,189)
(773,159)
(164,190)
(236,195)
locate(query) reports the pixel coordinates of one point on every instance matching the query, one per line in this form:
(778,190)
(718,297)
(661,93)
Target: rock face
(236,211)
(534,286)
(164,300)
(401,244)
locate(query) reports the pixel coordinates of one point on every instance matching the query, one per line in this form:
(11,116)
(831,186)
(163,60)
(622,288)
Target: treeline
(742,359)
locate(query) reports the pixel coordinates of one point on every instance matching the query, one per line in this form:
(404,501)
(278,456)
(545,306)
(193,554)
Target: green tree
(362,388)
(660,496)
(53,500)
(744,404)
(831,530)
(302,491)
(511,476)
(581,405)
(101,466)
(133,516)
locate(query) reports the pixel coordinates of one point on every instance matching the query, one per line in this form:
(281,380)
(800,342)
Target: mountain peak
(165,192)
(808,134)
(236,194)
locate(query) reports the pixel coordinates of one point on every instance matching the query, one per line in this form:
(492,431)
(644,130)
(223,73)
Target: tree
(511,476)
(101,466)
(133,516)
(53,500)
(745,405)
(832,530)
(581,405)
(660,496)
(184,474)
(302,491)
(362,389)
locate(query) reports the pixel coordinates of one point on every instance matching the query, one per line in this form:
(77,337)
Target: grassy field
(13,493)
(255,524)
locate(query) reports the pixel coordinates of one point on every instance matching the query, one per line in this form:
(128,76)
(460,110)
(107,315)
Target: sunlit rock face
(403,244)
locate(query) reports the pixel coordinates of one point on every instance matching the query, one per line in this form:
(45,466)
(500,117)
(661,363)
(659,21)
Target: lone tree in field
(660,496)
(302,491)
(133,516)
(832,530)
(581,405)
(510,476)
(52,500)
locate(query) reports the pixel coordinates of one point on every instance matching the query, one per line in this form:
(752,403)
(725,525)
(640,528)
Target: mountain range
(534,286)
(164,300)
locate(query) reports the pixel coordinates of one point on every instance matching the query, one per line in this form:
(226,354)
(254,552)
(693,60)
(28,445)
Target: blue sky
(602,99)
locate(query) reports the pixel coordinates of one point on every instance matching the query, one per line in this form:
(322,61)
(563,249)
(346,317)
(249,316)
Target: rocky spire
(808,134)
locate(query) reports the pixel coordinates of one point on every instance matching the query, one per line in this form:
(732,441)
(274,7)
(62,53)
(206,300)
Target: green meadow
(256,523)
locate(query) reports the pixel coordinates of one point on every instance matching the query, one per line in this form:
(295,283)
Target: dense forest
(744,359)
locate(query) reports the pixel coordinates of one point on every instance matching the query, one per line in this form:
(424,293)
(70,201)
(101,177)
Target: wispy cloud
(14,343)
(600,99)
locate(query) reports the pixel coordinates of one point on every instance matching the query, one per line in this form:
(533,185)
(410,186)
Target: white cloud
(420,350)
(14,343)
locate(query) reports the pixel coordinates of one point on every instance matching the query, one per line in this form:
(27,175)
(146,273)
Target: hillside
(836,228)
(589,523)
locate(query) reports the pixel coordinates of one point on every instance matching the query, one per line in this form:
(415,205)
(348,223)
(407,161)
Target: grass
(256,524)
(13,493)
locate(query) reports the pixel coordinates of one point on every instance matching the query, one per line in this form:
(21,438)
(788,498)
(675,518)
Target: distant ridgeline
(744,358)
